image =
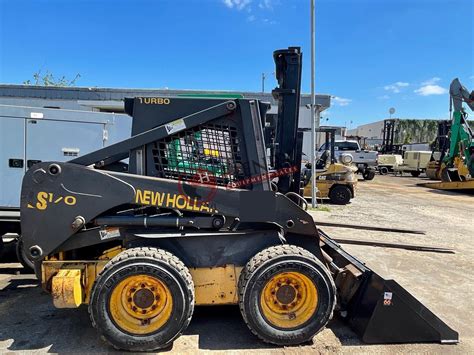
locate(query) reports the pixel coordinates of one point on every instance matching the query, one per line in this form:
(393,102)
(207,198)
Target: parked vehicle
(414,162)
(335,178)
(364,160)
(389,163)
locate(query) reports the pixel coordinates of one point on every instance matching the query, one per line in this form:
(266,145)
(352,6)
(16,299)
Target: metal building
(111,99)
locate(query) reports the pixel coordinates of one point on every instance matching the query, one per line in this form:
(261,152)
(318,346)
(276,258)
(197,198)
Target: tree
(407,139)
(48,79)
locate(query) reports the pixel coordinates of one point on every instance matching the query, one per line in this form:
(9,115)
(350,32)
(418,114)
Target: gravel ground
(443,282)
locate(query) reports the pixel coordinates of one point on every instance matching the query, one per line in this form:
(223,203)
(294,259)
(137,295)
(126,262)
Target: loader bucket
(387,313)
(382,311)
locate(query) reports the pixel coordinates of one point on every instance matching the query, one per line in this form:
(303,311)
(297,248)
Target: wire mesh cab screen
(210,152)
(224,150)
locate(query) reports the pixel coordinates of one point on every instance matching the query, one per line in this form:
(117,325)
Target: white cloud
(251,18)
(383,97)
(431,81)
(471,77)
(396,87)
(340,101)
(427,90)
(265,4)
(236,4)
(269,22)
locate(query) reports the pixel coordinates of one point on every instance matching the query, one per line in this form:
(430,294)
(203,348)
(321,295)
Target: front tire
(368,175)
(142,300)
(415,173)
(286,295)
(340,195)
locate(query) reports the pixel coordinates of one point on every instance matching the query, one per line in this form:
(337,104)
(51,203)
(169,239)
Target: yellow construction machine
(336,181)
(195,221)
(455,167)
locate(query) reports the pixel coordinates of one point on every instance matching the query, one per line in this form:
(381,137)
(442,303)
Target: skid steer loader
(195,221)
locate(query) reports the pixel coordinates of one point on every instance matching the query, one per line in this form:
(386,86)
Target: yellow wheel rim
(140,304)
(288,300)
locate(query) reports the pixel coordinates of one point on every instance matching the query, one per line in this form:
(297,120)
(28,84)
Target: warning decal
(175,126)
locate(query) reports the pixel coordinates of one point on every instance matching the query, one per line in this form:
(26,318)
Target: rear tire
(340,195)
(142,300)
(415,173)
(368,175)
(22,256)
(286,295)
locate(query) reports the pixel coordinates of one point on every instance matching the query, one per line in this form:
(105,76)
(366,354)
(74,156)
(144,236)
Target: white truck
(365,160)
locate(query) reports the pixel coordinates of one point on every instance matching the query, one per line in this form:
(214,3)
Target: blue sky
(371,54)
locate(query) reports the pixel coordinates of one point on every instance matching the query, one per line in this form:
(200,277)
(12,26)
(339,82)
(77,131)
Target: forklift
(334,180)
(439,149)
(390,156)
(195,221)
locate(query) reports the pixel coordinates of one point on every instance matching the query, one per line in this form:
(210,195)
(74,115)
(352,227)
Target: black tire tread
(262,257)
(336,201)
(154,253)
(368,175)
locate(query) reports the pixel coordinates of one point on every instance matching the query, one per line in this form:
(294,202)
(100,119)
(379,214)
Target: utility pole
(313,109)
(263,82)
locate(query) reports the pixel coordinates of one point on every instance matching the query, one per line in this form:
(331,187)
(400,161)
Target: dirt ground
(443,282)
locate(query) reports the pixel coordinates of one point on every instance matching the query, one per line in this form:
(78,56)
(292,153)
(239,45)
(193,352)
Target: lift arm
(461,139)
(288,140)
(458,94)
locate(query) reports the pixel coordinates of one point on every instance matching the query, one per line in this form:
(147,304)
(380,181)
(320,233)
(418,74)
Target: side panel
(61,141)
(12,164)
(47,132)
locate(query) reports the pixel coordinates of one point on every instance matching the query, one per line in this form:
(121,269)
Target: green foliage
(320,208)
(418,131)
(407,139)
(48,79)
(415,131)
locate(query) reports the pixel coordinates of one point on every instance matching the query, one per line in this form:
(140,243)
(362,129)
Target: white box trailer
(414,162)
(29,135)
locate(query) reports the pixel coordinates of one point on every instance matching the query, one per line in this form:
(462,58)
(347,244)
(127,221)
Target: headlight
(350,177)
(346,159)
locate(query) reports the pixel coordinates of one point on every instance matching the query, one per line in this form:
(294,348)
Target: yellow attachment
(453,185)
(288,300)
(462,167)
(141,304)
(216,285)
(66,288)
